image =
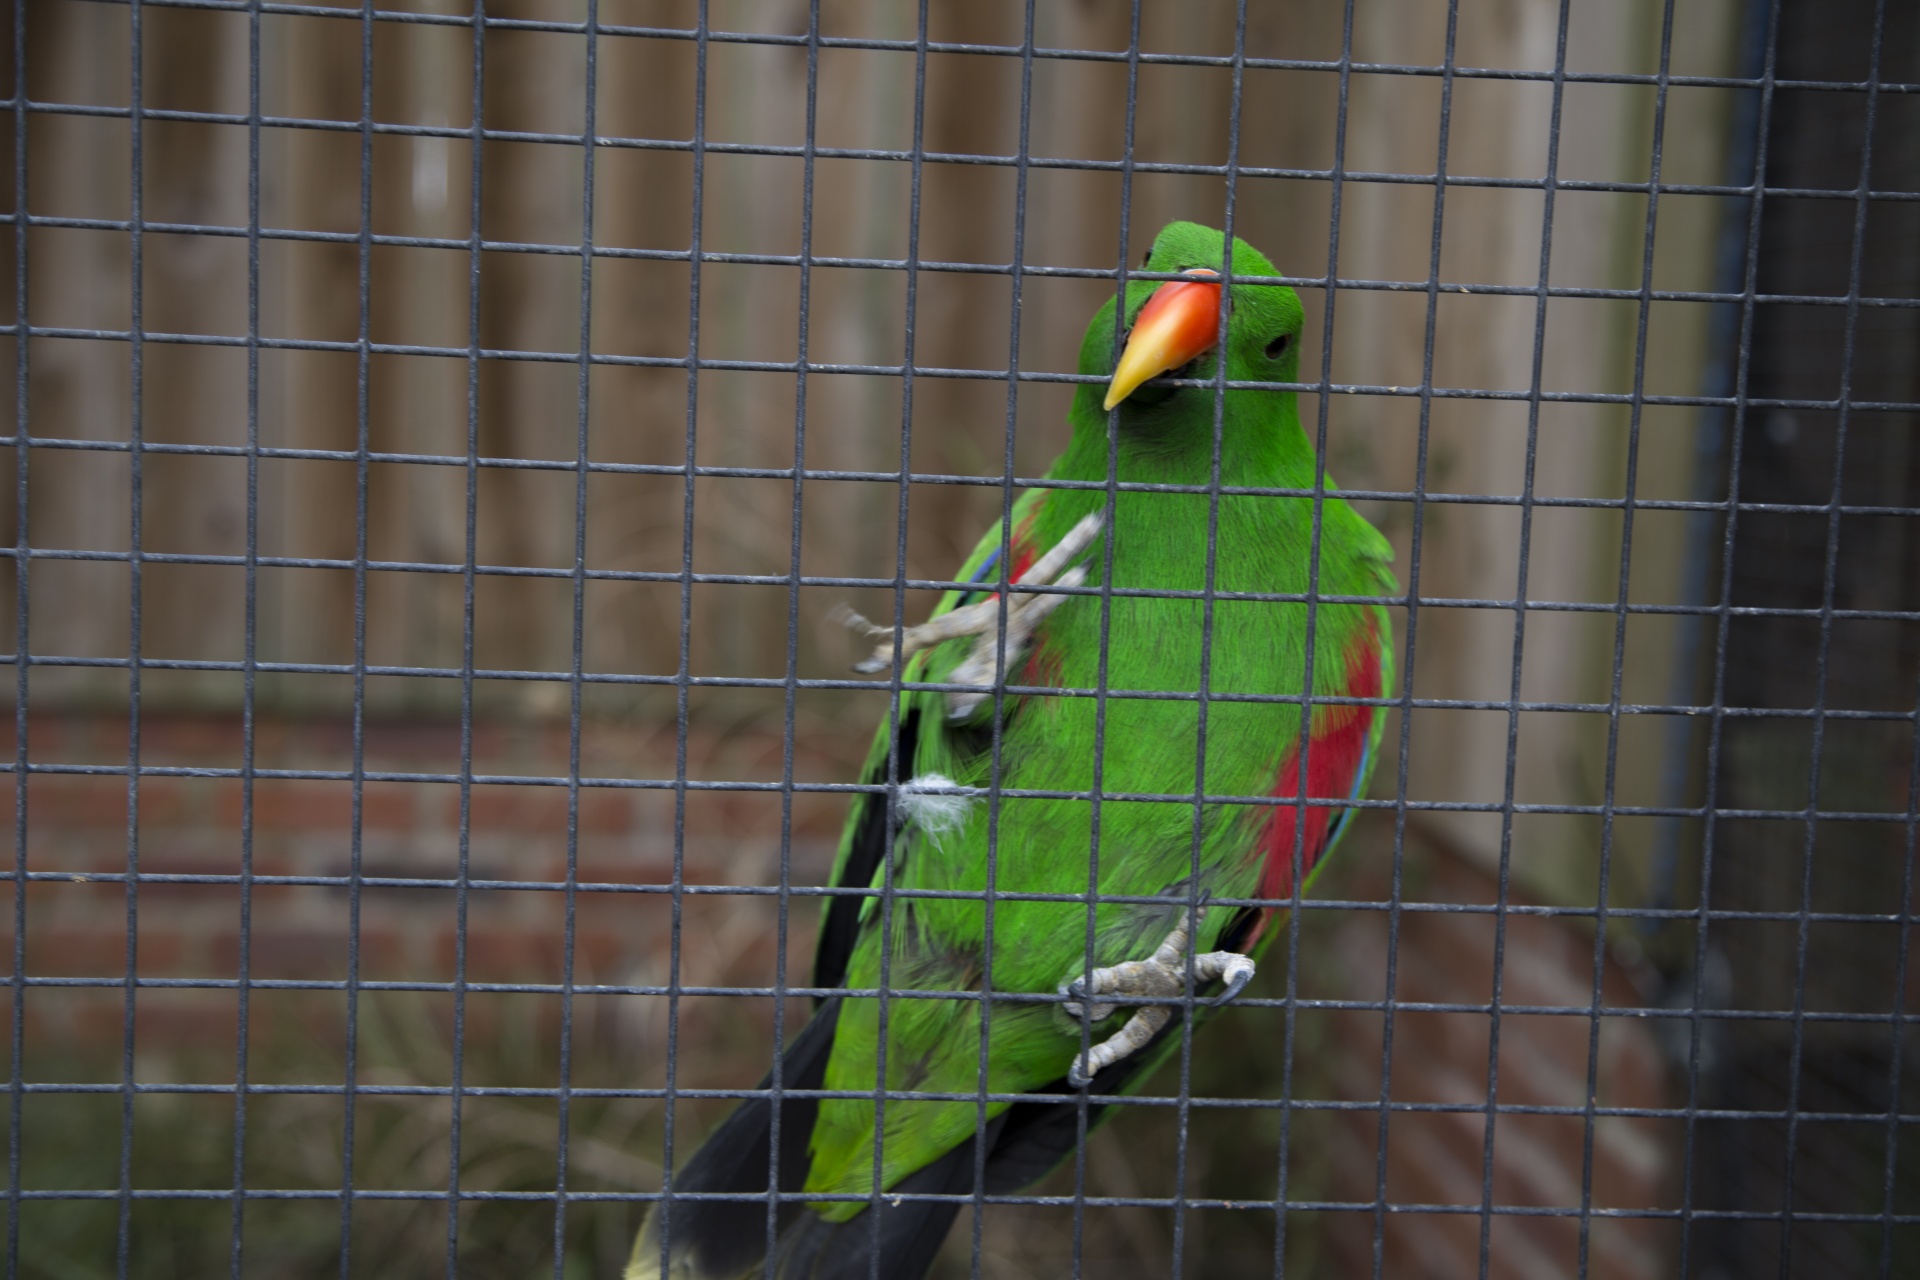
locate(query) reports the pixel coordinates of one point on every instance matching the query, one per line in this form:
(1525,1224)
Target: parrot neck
(1261,444)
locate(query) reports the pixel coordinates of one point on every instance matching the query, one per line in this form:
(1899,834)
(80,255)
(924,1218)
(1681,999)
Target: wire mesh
(1775,988)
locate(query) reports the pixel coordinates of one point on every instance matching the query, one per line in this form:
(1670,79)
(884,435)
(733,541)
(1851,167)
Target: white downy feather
(936,803)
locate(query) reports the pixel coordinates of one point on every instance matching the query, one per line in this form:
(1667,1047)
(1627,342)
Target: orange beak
(1180,321)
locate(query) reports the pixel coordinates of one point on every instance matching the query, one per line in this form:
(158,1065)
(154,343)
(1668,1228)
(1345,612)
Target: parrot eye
(1278,347)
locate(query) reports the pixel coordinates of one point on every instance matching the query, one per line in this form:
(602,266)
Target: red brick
(220,952)
(605,811)
(193,825)
(294,744)
(279,952)
(285,805)
(605,953)
(68,952)
(76,800)
(505,954)
(215,741)
(229,805)
(209,1024)
(520,809)
(166,802)
(1442,1057)
(91,1022)
(413,745)
(161,952)
(388,806)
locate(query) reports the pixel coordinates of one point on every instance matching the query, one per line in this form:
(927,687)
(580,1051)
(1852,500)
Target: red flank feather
(1334,755)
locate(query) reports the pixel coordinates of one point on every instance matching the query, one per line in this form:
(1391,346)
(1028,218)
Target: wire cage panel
(442,441)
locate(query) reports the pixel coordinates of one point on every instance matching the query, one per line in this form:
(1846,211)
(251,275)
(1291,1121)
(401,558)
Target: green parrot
(1098,1022)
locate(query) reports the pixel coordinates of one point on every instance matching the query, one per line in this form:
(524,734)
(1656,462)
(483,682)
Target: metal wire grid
(1736,402)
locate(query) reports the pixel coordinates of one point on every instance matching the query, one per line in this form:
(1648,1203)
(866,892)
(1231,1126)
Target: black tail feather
(1024,1144)
(906,1234)
(1037,1136)
(840,924)
(726,1237)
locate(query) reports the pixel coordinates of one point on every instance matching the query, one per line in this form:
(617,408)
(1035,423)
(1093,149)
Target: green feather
(1012,845)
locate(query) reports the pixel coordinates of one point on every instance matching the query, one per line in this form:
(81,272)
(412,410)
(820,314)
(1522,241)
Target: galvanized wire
(1727,398)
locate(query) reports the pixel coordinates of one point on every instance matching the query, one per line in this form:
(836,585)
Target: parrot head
(1173,327)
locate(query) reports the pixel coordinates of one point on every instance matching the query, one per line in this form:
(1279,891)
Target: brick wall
(1440,1059)
(78,829)
(192,826)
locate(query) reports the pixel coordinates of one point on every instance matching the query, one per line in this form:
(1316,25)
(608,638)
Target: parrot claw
(1156,984)
(1237,976)
(1078,994)
(1024,612)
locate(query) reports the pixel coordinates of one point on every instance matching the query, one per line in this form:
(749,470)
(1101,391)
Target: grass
(294,1144)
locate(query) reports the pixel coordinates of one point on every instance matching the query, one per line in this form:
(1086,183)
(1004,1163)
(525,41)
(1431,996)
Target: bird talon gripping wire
(1157,984)
(1025,611)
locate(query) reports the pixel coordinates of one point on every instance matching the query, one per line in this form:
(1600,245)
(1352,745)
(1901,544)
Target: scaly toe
(1080,999)
(1238,975)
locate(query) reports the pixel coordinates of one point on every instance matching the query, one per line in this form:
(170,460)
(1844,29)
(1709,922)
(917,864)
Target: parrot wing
(891,760)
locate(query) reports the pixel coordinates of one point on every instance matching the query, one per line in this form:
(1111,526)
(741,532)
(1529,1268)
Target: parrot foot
(1024,612)
(1152,983)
